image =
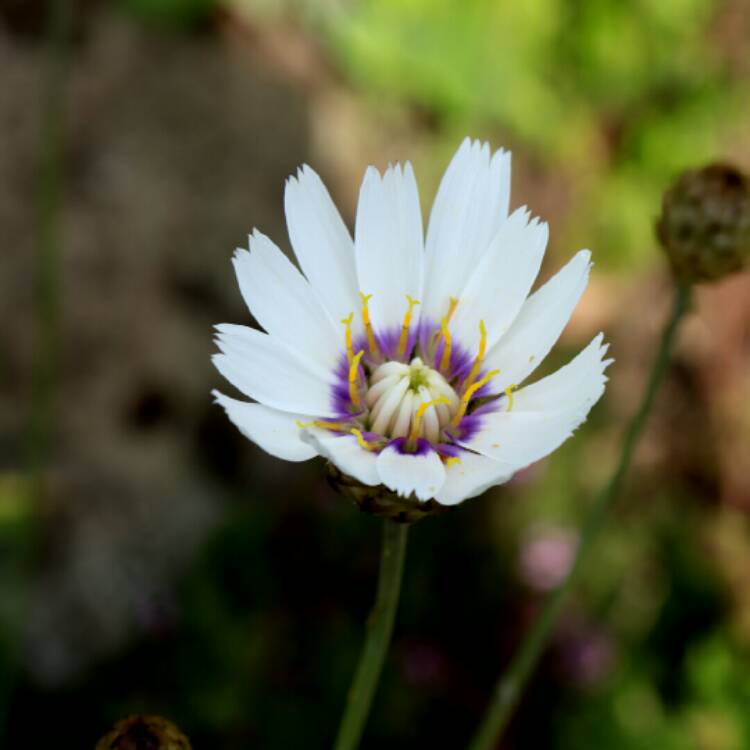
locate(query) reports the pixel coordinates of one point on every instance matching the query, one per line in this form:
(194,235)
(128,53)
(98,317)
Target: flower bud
(380,501)
(705,223)
(144,733)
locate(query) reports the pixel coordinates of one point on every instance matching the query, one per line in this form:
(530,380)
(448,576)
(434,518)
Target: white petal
(388,244)
(544,414)
(501,281)
(520,439)
(276,432)
(579,384)
(471,204)
(322,243)
(539,324)
(283,302)
(346,454)
(407,473)
(471,477)
(269,371)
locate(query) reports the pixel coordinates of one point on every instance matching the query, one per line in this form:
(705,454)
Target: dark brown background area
(158,562)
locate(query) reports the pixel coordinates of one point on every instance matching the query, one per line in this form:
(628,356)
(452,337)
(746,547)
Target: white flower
(399,359)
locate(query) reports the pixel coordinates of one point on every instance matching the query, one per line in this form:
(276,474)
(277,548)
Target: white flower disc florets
(402,398)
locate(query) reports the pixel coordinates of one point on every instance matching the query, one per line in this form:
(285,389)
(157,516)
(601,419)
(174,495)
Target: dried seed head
(705,223)
(144,733)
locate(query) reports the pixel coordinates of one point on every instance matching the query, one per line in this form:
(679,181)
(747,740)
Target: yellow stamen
(361,440)
(509,393)
(452,305)
(366,320)
(405,325)
(477,366)
(445,360)
(451,460)
(348,336)
(354,378)
(423,407)
(338,426)
(468,395)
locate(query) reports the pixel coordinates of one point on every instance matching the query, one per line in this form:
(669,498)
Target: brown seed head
(705,223)
(144,733)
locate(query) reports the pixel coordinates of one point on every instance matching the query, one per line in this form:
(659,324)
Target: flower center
(411,400)
(379,398)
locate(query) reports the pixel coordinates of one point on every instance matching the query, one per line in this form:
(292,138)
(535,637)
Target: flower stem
(19,529)
(511,684)
(379,630)
(49,214)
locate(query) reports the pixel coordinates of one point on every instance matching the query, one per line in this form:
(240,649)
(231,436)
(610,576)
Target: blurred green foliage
(628,93)
(632,714)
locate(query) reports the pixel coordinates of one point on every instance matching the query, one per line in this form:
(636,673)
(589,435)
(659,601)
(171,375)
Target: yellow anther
(419,414)
(477,366)
(452,305)
(348,336)
(451,460)
(405,325)
(509,393)
(354,378)
(368,325)
(322,424)
(469,394)
(445,360)
(361,440)
(336,426)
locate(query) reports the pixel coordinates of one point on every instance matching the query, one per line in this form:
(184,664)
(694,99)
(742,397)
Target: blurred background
(152,560)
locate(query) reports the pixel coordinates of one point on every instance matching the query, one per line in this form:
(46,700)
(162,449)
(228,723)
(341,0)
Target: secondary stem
(18,531)
(49,202)
(379,630)
(510,686)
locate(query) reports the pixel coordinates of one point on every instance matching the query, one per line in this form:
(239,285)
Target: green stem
(379,630)
(18,535)
(510,686)
(49,200)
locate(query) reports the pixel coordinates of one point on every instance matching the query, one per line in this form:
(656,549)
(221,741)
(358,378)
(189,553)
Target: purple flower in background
(546,555)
